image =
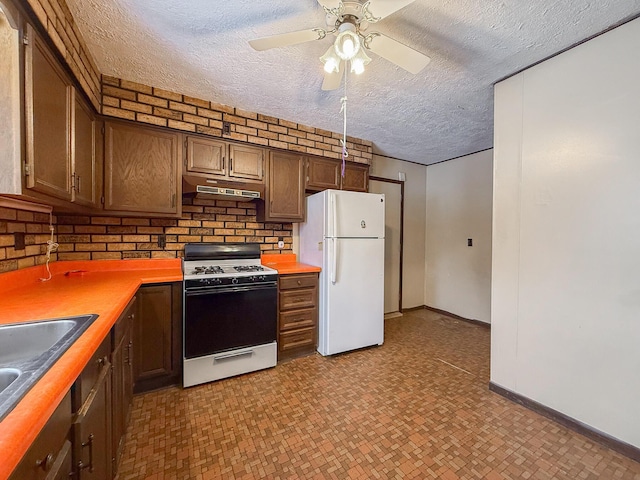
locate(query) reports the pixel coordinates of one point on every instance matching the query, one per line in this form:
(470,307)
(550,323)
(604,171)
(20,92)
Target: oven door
(216,320)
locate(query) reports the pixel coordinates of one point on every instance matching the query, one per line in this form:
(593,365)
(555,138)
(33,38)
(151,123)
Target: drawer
(288,282)
(304,338)
(124,322)
(298,319)
(302,298)
(50,449)
(90,373)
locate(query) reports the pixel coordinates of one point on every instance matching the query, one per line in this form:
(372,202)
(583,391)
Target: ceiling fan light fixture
(359,62)
(331,61)
(347,44)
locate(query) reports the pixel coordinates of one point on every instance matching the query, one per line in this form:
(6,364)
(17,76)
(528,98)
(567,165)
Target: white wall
(459,198)
(566,234)
(9,108)
(413,278)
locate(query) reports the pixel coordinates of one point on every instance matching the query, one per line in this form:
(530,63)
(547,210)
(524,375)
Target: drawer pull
(46,463)
(88,443)
(299,282)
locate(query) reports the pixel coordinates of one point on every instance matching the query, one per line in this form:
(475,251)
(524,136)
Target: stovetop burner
(248,268)
(208,270)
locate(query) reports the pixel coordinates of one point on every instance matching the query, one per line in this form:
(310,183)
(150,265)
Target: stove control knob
(262,278)
(234,281)
(217,281)
(252,278)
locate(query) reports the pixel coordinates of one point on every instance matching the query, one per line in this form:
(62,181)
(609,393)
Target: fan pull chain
(343,110)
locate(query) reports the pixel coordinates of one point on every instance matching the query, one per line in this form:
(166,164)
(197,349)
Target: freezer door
(355,214)
(352,295)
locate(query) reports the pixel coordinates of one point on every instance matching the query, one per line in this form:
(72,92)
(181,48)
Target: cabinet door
(85,158)
(246,162)
(48,94)
(141,169)
(48,458)
(92,431)
(356,178)
(207,156)
(322,174)
(152,340)
(118,421)
(284,200)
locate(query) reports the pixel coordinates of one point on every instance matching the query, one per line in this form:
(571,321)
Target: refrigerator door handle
(334,262)
(332,202)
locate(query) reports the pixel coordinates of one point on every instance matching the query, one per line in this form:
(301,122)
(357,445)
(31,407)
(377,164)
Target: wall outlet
(162,240)
(469,242)
(280,244)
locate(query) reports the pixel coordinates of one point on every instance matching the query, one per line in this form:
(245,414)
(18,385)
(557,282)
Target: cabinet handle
(46,463)
(79,184)
(231,164)
(173,200)
(88,443)
(299,282)
(129,353)
(222,163)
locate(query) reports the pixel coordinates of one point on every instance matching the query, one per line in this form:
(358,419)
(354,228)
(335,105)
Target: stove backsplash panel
(203,220)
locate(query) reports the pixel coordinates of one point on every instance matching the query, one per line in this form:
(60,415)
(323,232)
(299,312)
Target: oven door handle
(228,356)
(217,291)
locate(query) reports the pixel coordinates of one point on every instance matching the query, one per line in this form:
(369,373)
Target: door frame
(401,183)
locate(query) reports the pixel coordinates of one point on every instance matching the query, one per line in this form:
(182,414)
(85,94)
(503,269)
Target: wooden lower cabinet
(122,380)
(297,314)
(157,337)
(92,431)
(49,457)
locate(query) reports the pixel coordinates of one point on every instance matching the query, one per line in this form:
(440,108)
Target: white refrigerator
(344,235)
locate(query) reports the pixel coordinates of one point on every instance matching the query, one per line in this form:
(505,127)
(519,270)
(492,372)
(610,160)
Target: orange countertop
(287,263)
(103,287)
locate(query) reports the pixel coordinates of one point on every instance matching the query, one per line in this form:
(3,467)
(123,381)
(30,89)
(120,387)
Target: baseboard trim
(596,435)
(458,317)
(413,309)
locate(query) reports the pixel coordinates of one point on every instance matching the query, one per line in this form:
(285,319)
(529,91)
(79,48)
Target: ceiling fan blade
(286,39)
(405,57)
(329,4)
(333,80)
(383,8)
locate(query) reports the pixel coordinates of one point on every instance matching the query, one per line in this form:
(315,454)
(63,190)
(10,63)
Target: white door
(393,200)
(354,292)
(355,214)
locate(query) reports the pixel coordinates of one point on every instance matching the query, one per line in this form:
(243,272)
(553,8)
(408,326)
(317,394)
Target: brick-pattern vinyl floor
(417,407)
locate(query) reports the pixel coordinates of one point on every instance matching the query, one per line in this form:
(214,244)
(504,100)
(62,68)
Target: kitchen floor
(417,407)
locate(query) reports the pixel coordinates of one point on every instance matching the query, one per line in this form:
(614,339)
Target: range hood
(202,187)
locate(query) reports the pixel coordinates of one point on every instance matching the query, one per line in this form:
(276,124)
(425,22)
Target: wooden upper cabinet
(86,154)
(284,199)
(142,169)
(223,160)
(246,162)
(206,156)
(356,177)
(322,174)
(48,104)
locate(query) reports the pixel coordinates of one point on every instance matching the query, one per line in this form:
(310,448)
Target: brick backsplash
(35,226)
(203,220)
(151,105)
(57,20)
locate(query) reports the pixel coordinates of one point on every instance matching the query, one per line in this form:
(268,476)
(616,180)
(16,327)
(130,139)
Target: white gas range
(229,312)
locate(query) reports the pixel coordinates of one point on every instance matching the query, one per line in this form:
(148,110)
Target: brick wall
(35,226)
(145,104)
(203,220)
(56,19)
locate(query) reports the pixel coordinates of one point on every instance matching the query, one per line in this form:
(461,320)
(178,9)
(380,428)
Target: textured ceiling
(200,48)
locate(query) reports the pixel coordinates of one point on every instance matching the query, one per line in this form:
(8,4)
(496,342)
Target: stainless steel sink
(28,350)
(7,377)
(19,342)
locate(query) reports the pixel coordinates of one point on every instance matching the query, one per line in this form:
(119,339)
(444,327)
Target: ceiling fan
(349,21)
